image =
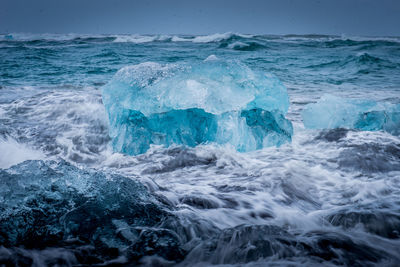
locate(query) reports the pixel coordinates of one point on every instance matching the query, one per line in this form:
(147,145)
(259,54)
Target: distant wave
(331,40)
(218,37)
(358,61)
(48,36)
(213,38)
(133,38)
(343,39)
(138,39)
(243,46)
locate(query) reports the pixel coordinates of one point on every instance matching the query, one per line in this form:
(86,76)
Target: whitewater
(217,150)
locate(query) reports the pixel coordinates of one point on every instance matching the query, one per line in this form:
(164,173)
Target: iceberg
(213,101)
(366,115)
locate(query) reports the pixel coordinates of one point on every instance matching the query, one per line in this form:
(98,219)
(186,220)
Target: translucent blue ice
(211,101)
(367,115)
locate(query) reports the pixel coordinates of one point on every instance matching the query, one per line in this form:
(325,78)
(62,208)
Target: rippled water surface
(328,197)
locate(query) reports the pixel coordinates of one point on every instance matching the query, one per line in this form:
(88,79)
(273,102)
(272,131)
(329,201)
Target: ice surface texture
(53,205)
(367,115)
(212,101)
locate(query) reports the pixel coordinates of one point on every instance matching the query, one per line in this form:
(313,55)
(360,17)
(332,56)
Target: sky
(348,17)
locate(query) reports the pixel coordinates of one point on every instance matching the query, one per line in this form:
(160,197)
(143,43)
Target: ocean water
(328,193)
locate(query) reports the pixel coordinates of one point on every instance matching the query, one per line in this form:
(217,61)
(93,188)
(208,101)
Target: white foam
(67,124)
(237,45)
(140,39)
(217,37)
(211,58)
(212,38)
(13,153)
(180,39)
(137,39)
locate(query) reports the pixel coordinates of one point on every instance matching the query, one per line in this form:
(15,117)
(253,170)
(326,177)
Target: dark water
(328,197)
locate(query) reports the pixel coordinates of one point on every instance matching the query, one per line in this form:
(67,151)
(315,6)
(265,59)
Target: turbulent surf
(181,150)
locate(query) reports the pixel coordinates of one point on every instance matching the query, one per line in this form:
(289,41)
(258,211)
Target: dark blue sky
(352,17)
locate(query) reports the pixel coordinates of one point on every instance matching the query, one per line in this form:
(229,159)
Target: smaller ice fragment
(366,115)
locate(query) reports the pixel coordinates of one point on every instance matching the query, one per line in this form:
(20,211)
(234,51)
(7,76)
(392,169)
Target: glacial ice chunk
(367,115)
(210,101)
(97,216)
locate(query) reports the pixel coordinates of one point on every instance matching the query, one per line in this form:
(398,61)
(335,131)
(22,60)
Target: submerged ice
(93,215)
(213,101)
(366,115)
